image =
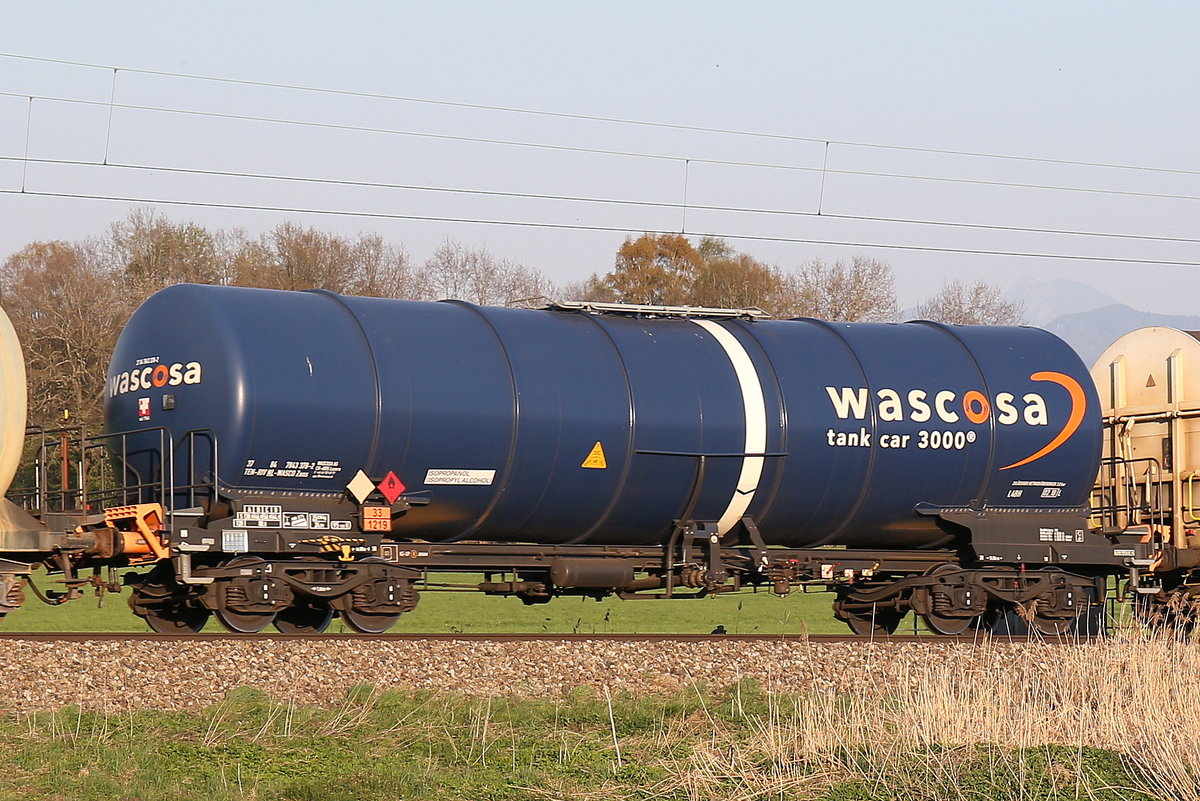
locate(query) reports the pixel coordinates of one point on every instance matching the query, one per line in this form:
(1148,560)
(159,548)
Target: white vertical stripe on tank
(755,407)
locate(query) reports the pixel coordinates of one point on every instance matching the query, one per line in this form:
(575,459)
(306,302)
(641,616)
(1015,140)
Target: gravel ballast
(119,675)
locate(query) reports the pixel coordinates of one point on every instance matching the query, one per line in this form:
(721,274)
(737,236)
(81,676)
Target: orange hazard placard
(376,518)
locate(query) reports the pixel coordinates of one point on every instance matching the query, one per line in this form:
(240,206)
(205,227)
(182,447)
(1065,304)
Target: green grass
(584,745)
(741,613)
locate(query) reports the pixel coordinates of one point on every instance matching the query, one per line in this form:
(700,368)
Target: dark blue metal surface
(304,389)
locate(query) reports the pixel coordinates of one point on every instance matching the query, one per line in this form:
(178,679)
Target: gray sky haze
(797,130)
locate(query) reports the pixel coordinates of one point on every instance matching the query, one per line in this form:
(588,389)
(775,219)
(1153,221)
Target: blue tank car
(589,448)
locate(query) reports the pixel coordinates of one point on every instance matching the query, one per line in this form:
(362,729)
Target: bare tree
(475,275)
(591,288)
(68,309)
(300,258)
(381,270)
(69,301)
(243,260)
(152,252)
(294,257)
(737,280)
(980,303)
(862,289)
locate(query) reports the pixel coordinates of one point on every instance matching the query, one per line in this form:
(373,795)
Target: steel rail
(897,639)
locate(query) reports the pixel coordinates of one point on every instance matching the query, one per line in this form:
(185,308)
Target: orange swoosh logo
(1078,406)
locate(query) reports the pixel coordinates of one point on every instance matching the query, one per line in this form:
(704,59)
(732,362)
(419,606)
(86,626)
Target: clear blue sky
(1109,83)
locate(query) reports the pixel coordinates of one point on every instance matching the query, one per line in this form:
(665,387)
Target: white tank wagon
(25,542)
(1149,387)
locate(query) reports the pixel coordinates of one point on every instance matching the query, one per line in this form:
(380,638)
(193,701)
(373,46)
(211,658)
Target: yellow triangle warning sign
(595,458)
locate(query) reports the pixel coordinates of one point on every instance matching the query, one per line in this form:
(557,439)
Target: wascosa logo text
(154,376)
(917,406)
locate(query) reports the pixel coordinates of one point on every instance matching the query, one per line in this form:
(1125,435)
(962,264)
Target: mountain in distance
(1046,301)
(1086,318)
(1091,332)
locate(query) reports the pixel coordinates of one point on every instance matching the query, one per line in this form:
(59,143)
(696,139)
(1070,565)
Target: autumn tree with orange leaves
(667,269)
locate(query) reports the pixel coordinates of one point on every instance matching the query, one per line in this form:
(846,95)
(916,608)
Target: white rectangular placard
(471,477)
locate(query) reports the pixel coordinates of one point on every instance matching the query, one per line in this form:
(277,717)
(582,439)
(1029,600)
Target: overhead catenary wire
(610,228)
(655,204)
(823,170)
(685,161)
(600,118)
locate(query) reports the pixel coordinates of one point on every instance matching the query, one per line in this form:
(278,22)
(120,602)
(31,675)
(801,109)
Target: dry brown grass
(1133,694)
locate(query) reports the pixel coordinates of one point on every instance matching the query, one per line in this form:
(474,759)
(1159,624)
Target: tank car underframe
(248,592)
(874,588)
(298,580)
(952,600)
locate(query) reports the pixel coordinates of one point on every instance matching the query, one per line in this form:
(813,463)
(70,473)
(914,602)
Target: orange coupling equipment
(140,525)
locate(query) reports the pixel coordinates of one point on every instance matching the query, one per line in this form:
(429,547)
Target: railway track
(616,638)
(137,670)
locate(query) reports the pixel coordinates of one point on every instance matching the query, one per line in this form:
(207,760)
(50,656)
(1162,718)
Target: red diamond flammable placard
(391,487)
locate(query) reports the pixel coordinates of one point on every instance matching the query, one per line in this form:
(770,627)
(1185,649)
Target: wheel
(374,606)
(176,618)
(883,624)
(877,622)
(164,606)
(248,604)
(1084,616)
(1043,624)
(367,622)
(241,623)
(1050,626)
(987,621)
(309,617)
(948,625)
